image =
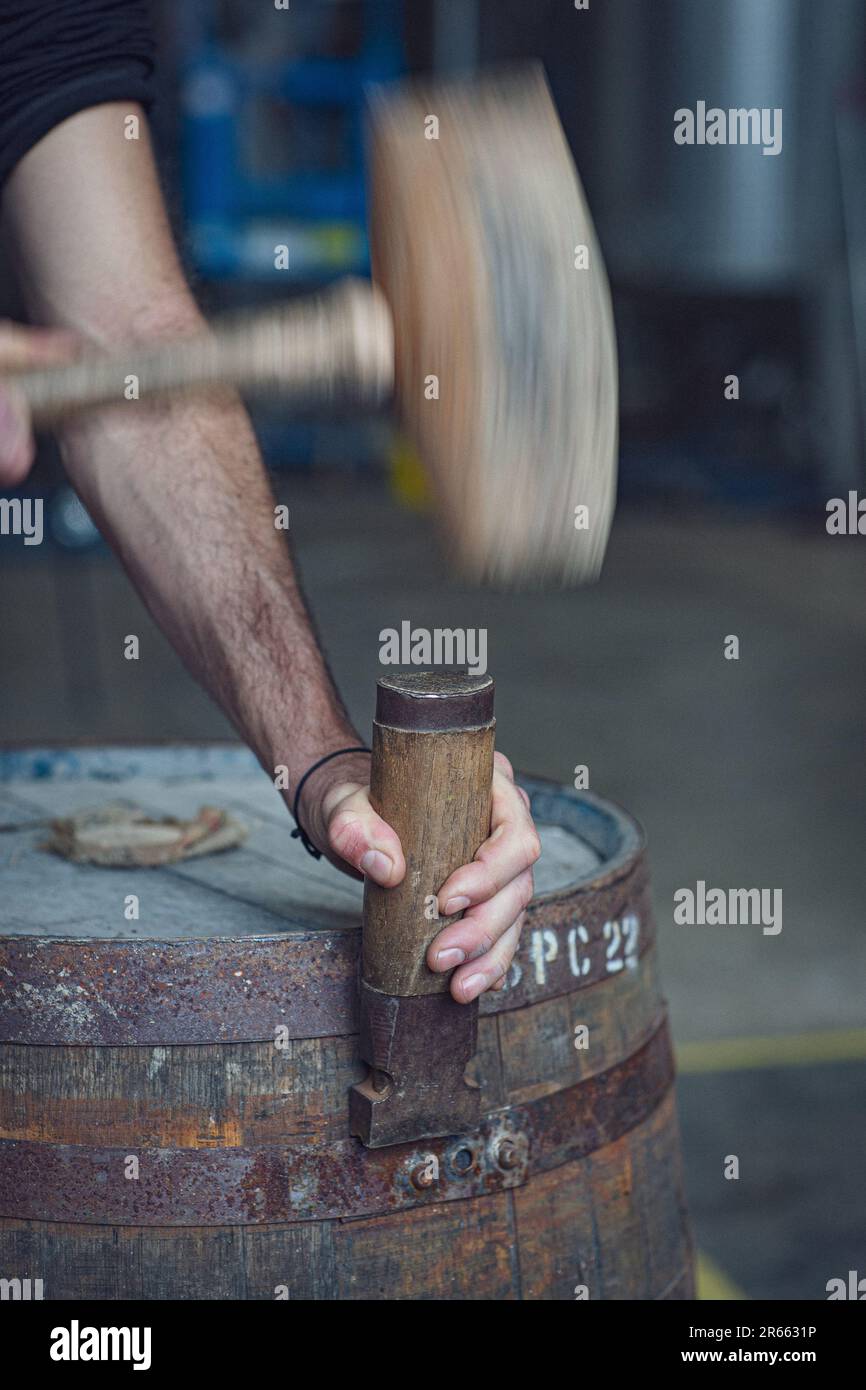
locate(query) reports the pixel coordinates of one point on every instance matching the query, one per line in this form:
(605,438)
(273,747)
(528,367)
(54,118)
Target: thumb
(358,835)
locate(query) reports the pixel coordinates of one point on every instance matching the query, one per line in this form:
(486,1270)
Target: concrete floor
(745,773)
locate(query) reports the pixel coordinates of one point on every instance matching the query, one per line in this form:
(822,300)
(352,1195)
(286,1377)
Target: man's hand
(21,348)
(492,892)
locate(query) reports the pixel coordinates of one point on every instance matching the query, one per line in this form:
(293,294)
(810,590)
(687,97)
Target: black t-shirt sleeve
(60,56)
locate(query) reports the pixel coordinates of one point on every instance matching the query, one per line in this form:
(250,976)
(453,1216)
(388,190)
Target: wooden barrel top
(226,943)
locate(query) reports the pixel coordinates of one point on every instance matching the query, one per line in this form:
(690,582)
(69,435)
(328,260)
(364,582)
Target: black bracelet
(299,833)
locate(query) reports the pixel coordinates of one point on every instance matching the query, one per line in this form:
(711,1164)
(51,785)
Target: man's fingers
(478,931)
(359,836)
(476,976)
(23,347)
(16,441)
(492,892)
(501,764)
(512,847)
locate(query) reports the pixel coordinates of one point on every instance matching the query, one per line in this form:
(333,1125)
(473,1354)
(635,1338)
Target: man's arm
(178,489)
(180,492)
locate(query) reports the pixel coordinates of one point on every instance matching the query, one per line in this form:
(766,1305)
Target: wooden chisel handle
(337,344)
(431,778)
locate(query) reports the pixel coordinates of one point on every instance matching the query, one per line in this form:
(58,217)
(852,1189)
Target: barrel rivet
(508,1155)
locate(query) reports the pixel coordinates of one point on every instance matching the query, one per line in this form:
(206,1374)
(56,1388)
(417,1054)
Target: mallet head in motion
(504,342)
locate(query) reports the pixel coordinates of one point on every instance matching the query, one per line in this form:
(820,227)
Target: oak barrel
(173,1086)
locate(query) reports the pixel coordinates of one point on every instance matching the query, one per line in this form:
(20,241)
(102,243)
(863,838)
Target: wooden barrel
(173,1088)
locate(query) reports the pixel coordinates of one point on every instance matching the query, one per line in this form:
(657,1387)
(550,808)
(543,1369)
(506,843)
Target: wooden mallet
(489,316)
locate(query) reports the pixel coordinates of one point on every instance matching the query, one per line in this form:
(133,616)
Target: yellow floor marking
(741,1054)
(787,1050)
(409,483)
(713,1283)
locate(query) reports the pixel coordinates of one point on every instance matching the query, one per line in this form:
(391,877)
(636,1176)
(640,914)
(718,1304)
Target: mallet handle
(339,343)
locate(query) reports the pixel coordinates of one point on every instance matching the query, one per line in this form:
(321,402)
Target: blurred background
(722,261)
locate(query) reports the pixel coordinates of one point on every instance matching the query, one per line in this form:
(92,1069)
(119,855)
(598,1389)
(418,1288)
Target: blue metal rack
(236,216)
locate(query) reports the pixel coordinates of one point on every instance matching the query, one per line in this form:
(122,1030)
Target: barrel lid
(434,700)
(268,886)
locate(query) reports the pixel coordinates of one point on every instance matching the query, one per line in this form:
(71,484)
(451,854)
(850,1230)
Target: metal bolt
(508,1154)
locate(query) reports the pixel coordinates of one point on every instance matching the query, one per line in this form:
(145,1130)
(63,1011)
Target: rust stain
(275,1184)
(77,991)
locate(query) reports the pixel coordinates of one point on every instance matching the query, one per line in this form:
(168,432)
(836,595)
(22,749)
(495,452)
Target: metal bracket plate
(418,1050)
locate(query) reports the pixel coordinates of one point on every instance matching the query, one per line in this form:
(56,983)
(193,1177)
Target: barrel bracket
(418,1049)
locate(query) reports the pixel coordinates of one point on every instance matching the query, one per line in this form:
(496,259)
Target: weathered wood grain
(441,1253)
(538,1044)
(219,1096)
(612,1222)
(179,1263)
